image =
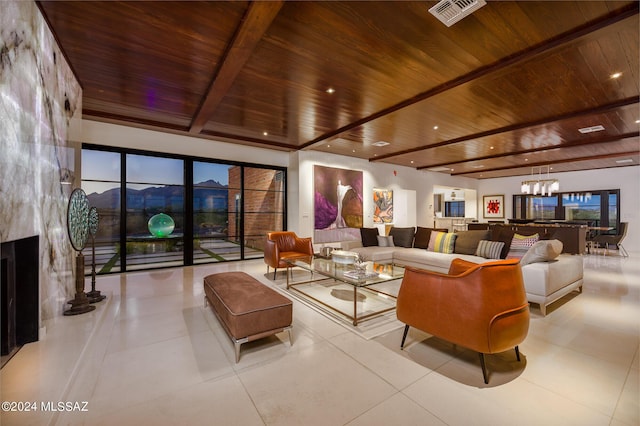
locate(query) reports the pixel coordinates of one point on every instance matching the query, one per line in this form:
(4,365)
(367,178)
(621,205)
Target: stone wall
(40,106)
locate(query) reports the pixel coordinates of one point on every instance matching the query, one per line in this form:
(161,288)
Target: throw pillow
(423,235)
(467,241)
(402,237)
(520,244)
(442,242)
(504,235)
(385,241)
(489,249)
(542,251)
(369,237)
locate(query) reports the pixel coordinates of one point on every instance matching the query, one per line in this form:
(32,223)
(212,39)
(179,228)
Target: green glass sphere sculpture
(161,225)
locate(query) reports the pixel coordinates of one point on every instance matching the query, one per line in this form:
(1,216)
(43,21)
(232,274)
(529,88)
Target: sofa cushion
(369,236)
(423,235)
(442,242)
(402,237)
(376,253)
(385,241)
(520,244)
(489,249)
(504,235)
(467,241)
(542,251)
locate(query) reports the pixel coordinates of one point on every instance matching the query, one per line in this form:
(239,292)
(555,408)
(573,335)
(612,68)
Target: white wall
(404,181)
(376,175)
(99,133)
(627,179)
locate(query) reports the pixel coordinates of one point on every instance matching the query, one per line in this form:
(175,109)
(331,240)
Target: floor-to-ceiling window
(159,210)
(154,209)
(594,208)
(101,180)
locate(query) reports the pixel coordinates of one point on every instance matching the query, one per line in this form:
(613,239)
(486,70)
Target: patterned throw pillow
(520,244)
(442,242)
(489,249)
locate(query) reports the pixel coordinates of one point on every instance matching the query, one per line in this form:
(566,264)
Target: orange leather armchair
(283,245)
(482,307)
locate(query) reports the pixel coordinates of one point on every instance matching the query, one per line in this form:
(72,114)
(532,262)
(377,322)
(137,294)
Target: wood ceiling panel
(518,76)
(152,57)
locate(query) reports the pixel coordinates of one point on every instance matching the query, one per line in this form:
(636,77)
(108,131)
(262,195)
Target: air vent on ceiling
(451,11)
(591,129)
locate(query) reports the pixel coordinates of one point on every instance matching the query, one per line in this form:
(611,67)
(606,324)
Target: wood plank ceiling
(503,90)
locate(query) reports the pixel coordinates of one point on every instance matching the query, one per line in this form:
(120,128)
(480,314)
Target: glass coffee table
(343,289)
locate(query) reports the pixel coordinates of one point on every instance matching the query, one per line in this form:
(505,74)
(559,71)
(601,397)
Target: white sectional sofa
(545,281)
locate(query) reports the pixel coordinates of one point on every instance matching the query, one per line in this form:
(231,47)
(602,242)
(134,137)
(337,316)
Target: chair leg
(404,336)
(622,251)
(274,272)
(517,353)
(484,368)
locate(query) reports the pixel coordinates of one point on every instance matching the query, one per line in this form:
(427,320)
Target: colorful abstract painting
(382,206)
(337,204)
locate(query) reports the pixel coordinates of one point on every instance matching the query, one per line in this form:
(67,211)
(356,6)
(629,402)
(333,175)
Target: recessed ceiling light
(526,159)
(435,127)
(381,143)
(353,150)
(411,161)
(490,147)
(331,90)
(265,133)
(637,121)
(479,166)
(328,146)
(591,129)
(626,160)
(616,75)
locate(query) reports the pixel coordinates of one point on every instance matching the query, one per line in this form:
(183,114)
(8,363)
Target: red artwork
(493,207)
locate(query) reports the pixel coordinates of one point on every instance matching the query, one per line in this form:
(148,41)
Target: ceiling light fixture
(626,160)
(435,127)
(381,143)
(591,129)
(331,90)
(616,75)
(543,186)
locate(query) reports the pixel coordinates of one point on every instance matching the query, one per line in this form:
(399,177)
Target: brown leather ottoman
(247,309)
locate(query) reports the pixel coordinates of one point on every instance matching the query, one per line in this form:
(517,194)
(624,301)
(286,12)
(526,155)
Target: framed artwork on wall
(382,206)
(493,206)
(337,204)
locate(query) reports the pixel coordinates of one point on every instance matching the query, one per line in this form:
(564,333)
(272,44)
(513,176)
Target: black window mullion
(188,212)
(123,212)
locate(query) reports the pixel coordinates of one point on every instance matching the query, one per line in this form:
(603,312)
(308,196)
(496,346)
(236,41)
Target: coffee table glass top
(357,297)
(373,274)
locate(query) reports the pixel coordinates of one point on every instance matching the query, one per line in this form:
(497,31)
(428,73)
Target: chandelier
(543,185)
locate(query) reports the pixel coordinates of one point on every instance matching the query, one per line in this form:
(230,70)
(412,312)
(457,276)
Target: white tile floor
(151,354)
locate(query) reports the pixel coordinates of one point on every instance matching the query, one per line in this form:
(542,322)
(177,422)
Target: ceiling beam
(254,24)
(544,163)
(570,144)
(526,54)
(572,114)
